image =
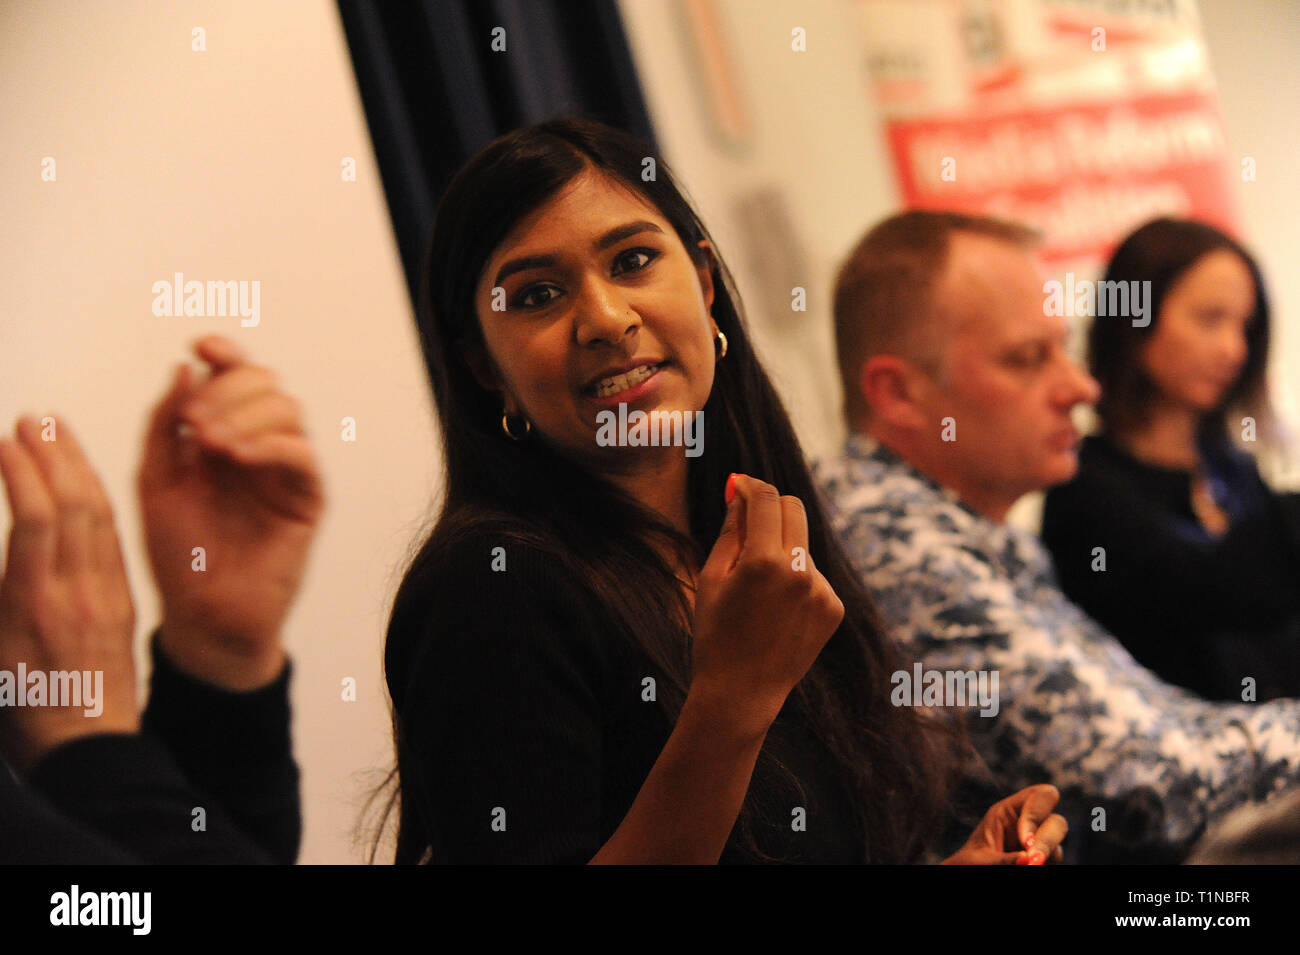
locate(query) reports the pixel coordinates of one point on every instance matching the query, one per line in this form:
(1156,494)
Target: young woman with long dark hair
(597,655)
(1201,574)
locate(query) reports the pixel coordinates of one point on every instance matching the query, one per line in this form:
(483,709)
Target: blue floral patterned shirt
(1075,709)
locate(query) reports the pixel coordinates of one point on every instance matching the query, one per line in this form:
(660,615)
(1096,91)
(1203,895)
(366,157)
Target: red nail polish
(1029,843)
(1023,860)
(1037,859)
(731,487)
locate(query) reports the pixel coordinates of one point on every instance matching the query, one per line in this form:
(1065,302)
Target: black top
(1202,611)
(522,705)
(121,798)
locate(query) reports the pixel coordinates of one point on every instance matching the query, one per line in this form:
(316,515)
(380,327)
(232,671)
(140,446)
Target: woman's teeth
(612,386)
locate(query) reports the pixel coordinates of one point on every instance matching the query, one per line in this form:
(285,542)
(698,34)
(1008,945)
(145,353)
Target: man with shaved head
(958,395)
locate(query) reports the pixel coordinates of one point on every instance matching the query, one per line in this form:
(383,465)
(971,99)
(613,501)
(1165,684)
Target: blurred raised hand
(65,604)
(231,498)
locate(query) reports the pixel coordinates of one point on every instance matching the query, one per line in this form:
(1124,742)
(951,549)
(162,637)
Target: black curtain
(435,91)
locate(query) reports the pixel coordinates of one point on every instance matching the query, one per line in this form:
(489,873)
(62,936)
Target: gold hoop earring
(720,344)
(505,426)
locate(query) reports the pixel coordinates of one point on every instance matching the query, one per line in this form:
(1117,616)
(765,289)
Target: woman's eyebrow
(615,235)
(622,232)
(522,265)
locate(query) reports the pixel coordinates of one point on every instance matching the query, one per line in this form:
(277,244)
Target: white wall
(222,164)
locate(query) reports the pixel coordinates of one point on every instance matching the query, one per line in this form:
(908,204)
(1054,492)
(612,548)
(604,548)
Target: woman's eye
(631,259)
(527,298)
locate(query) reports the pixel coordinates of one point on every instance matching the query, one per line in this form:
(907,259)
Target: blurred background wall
(223,164)
(228,162)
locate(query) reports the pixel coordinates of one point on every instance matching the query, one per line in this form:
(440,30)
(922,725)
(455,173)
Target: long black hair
(1161,252)
(896,763)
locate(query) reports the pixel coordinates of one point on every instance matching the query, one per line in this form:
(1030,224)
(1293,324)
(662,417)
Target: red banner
(1084,173)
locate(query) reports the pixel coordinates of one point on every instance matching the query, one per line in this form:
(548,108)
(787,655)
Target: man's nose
(1076,386)
(1092,388)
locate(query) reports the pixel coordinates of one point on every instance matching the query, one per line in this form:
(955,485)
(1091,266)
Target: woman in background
(596,656)
(1198,571)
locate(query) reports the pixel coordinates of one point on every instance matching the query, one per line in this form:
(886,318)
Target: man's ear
(893,388)
(705,272)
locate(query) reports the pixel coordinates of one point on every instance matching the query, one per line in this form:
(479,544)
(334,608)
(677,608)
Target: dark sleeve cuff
(198,720)
(235,746)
